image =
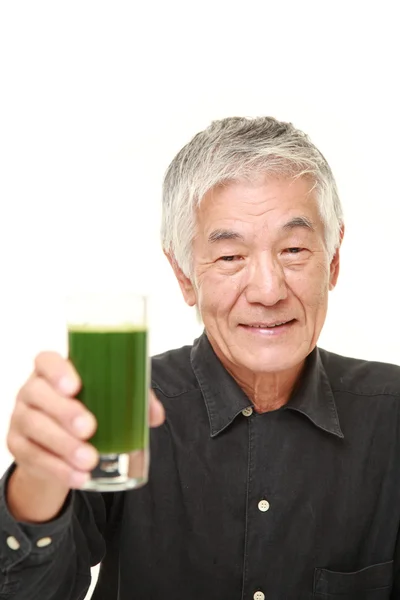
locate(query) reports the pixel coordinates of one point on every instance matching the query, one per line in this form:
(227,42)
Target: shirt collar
(314,396)
(225,399)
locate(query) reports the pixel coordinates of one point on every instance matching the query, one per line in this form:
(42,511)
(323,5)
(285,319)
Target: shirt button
(259,596)
(13,543)
(46,541)
(247,411)
(263,505)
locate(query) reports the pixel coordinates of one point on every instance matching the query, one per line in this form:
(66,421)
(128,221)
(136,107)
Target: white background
(97,97)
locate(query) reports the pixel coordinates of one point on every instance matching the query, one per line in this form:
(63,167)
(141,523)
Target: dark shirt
(298,503)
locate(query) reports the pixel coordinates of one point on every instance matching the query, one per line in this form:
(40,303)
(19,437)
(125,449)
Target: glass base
(119,472)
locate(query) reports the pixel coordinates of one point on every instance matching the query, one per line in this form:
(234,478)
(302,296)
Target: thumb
(157,413)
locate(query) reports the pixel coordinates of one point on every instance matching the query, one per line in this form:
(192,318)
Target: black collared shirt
(298,503)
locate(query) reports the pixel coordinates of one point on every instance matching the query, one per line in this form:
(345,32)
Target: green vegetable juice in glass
(107,338)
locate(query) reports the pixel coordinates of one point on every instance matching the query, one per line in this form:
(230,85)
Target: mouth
(268,326)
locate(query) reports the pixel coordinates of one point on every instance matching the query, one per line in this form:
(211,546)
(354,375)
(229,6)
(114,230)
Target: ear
(335,263)
(185,283)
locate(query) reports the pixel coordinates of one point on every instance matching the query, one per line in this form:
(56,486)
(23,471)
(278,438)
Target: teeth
(268,326)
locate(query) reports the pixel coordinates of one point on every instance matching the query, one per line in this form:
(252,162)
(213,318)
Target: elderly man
(275,474)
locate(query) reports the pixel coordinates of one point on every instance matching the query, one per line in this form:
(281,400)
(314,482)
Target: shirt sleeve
(51,560)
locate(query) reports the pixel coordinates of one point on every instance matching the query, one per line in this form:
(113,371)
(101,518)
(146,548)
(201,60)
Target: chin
(271,360)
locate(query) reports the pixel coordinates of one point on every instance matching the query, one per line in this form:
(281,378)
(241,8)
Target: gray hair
(234,149)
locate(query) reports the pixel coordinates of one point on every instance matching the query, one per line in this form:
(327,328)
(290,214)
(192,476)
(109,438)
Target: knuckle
(24,391)
(16,416)
(50,435)
(57,371)
(34,388)
(51,366)
(45,357)
(20,394)
(31,424)
(12,443)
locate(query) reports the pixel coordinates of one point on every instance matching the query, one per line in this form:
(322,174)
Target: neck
(267,391)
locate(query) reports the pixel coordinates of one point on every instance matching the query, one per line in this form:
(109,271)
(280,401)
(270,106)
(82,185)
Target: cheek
(217,293)
(312,288)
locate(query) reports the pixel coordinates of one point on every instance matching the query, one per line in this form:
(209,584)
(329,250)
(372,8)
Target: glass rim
(106,311)
(107,327)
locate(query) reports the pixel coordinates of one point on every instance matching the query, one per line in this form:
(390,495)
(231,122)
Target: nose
(266,283)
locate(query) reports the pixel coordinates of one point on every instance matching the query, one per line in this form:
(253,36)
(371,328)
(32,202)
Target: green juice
(113,366)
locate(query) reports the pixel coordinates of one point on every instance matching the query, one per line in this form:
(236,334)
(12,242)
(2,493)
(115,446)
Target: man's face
(260,260)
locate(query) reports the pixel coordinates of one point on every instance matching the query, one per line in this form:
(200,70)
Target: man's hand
(49,430)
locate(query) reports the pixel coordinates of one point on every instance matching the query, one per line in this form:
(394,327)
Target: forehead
(265,202)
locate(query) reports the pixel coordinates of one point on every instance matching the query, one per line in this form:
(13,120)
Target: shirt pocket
(372,583)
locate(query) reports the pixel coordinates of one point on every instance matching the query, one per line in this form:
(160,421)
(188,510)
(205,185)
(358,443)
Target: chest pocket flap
(373,578)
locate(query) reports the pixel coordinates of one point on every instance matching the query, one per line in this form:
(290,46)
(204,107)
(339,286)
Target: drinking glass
(108,345)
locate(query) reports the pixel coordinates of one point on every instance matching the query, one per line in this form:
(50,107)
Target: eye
(229,258)
(294,250)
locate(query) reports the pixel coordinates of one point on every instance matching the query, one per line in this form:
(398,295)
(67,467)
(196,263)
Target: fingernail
(79,479)
(67,385)
(83,425)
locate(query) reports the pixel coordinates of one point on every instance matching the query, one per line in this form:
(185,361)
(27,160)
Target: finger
(70,413)
(45,465)
(157,412)
(46,433)
(59,372)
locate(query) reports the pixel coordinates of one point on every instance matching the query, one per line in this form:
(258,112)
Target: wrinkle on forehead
(259,206)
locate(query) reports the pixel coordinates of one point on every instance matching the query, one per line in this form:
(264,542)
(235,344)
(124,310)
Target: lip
(255,328)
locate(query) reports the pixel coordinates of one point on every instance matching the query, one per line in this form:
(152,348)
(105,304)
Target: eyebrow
(299,222)
(219,235)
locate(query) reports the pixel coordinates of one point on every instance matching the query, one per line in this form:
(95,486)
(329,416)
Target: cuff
(18,540)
